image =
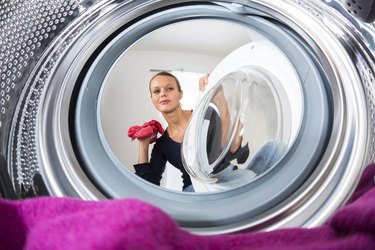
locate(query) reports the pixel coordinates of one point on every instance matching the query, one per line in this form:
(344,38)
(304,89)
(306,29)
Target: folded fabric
(147,129)
(69,223)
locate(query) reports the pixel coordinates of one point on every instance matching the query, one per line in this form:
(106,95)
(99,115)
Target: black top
(165,149)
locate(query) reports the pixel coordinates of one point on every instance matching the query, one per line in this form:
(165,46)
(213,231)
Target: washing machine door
(298,89)
(257,99)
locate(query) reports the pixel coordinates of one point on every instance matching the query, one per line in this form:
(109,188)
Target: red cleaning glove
(151,128)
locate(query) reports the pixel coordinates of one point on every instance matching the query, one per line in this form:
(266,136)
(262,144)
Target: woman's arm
(222,106)
(143,147)
(221,103)
(150,170)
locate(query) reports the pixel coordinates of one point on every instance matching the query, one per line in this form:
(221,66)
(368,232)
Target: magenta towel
(68,223)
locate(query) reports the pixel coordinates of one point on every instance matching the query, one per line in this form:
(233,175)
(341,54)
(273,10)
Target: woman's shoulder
(164,137)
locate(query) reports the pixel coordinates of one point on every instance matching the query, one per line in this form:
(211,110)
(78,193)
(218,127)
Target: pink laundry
(71,223)
(147,129)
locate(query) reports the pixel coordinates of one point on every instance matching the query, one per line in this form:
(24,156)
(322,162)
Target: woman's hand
(219,97)
(203,81)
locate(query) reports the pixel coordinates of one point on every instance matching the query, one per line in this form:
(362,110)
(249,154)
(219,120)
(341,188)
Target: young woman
(166,94)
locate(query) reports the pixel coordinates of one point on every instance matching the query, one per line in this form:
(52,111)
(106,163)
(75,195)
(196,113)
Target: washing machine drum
(279,137)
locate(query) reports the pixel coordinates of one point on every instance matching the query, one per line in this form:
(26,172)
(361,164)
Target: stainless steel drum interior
(54,59)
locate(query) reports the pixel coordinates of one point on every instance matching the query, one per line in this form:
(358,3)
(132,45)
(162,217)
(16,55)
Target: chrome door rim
(326,191)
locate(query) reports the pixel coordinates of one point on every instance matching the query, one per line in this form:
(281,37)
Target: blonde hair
(165,73)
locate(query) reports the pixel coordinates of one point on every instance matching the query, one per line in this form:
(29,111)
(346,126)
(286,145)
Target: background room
(180,48)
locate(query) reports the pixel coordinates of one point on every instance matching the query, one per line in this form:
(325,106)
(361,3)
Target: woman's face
(165,94)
